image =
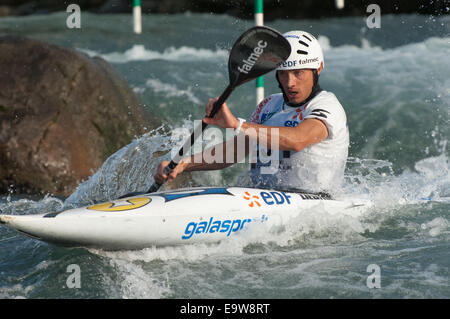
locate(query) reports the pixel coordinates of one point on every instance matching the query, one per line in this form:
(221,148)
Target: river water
(393,83)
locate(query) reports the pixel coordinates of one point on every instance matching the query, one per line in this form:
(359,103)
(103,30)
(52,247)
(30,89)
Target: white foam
(130,169)
(137,282)
(171,90)
(375,180)
(432,43)
(436,226)
(28,206)
(139,53)
(16,291)
(188,252)
(324,42)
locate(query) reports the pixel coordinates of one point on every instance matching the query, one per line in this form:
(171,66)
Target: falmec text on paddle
(251,60)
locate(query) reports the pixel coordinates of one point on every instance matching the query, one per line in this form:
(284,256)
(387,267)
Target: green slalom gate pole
(137,16)
(259,21)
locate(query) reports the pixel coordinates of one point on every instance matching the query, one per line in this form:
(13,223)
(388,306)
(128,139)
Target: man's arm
(308,132)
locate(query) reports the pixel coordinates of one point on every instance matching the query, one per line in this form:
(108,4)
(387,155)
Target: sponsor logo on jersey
(255,116)
(264,102)
(266,116)
(291,123)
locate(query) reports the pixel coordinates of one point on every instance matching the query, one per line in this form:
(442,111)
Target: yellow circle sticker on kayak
(121,205)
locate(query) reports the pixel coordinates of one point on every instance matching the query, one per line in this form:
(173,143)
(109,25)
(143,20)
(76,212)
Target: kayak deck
(207,214)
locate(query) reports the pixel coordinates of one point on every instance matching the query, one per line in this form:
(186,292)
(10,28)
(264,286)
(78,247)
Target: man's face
(297,84)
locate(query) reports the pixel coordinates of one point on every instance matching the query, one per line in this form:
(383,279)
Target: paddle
(257,51)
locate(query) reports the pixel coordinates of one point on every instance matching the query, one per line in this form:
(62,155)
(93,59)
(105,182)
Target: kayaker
(309,124)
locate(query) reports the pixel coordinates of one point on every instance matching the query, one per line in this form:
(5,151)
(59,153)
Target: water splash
(375,179)
(130,169)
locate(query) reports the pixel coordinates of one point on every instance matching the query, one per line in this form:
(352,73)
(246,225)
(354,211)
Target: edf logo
(290,123)
(289,64)
(275,198)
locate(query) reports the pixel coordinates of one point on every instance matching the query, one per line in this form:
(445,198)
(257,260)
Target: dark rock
(62,114)
(5,11)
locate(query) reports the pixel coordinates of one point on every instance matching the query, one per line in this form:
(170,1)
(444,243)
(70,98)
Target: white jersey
(316,168)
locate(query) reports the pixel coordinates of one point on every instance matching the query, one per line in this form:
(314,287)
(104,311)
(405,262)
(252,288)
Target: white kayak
(208,214)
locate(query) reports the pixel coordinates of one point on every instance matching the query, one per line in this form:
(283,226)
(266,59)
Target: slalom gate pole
(259,21)
(137,16)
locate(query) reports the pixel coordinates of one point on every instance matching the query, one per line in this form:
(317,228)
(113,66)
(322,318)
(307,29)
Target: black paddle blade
(258,51)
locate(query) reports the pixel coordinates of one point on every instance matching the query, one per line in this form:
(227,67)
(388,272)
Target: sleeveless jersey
(316,168)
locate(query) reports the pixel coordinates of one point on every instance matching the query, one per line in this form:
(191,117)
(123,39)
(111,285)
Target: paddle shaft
(188,144)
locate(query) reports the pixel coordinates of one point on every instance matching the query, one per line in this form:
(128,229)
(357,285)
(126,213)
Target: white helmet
(306,52)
